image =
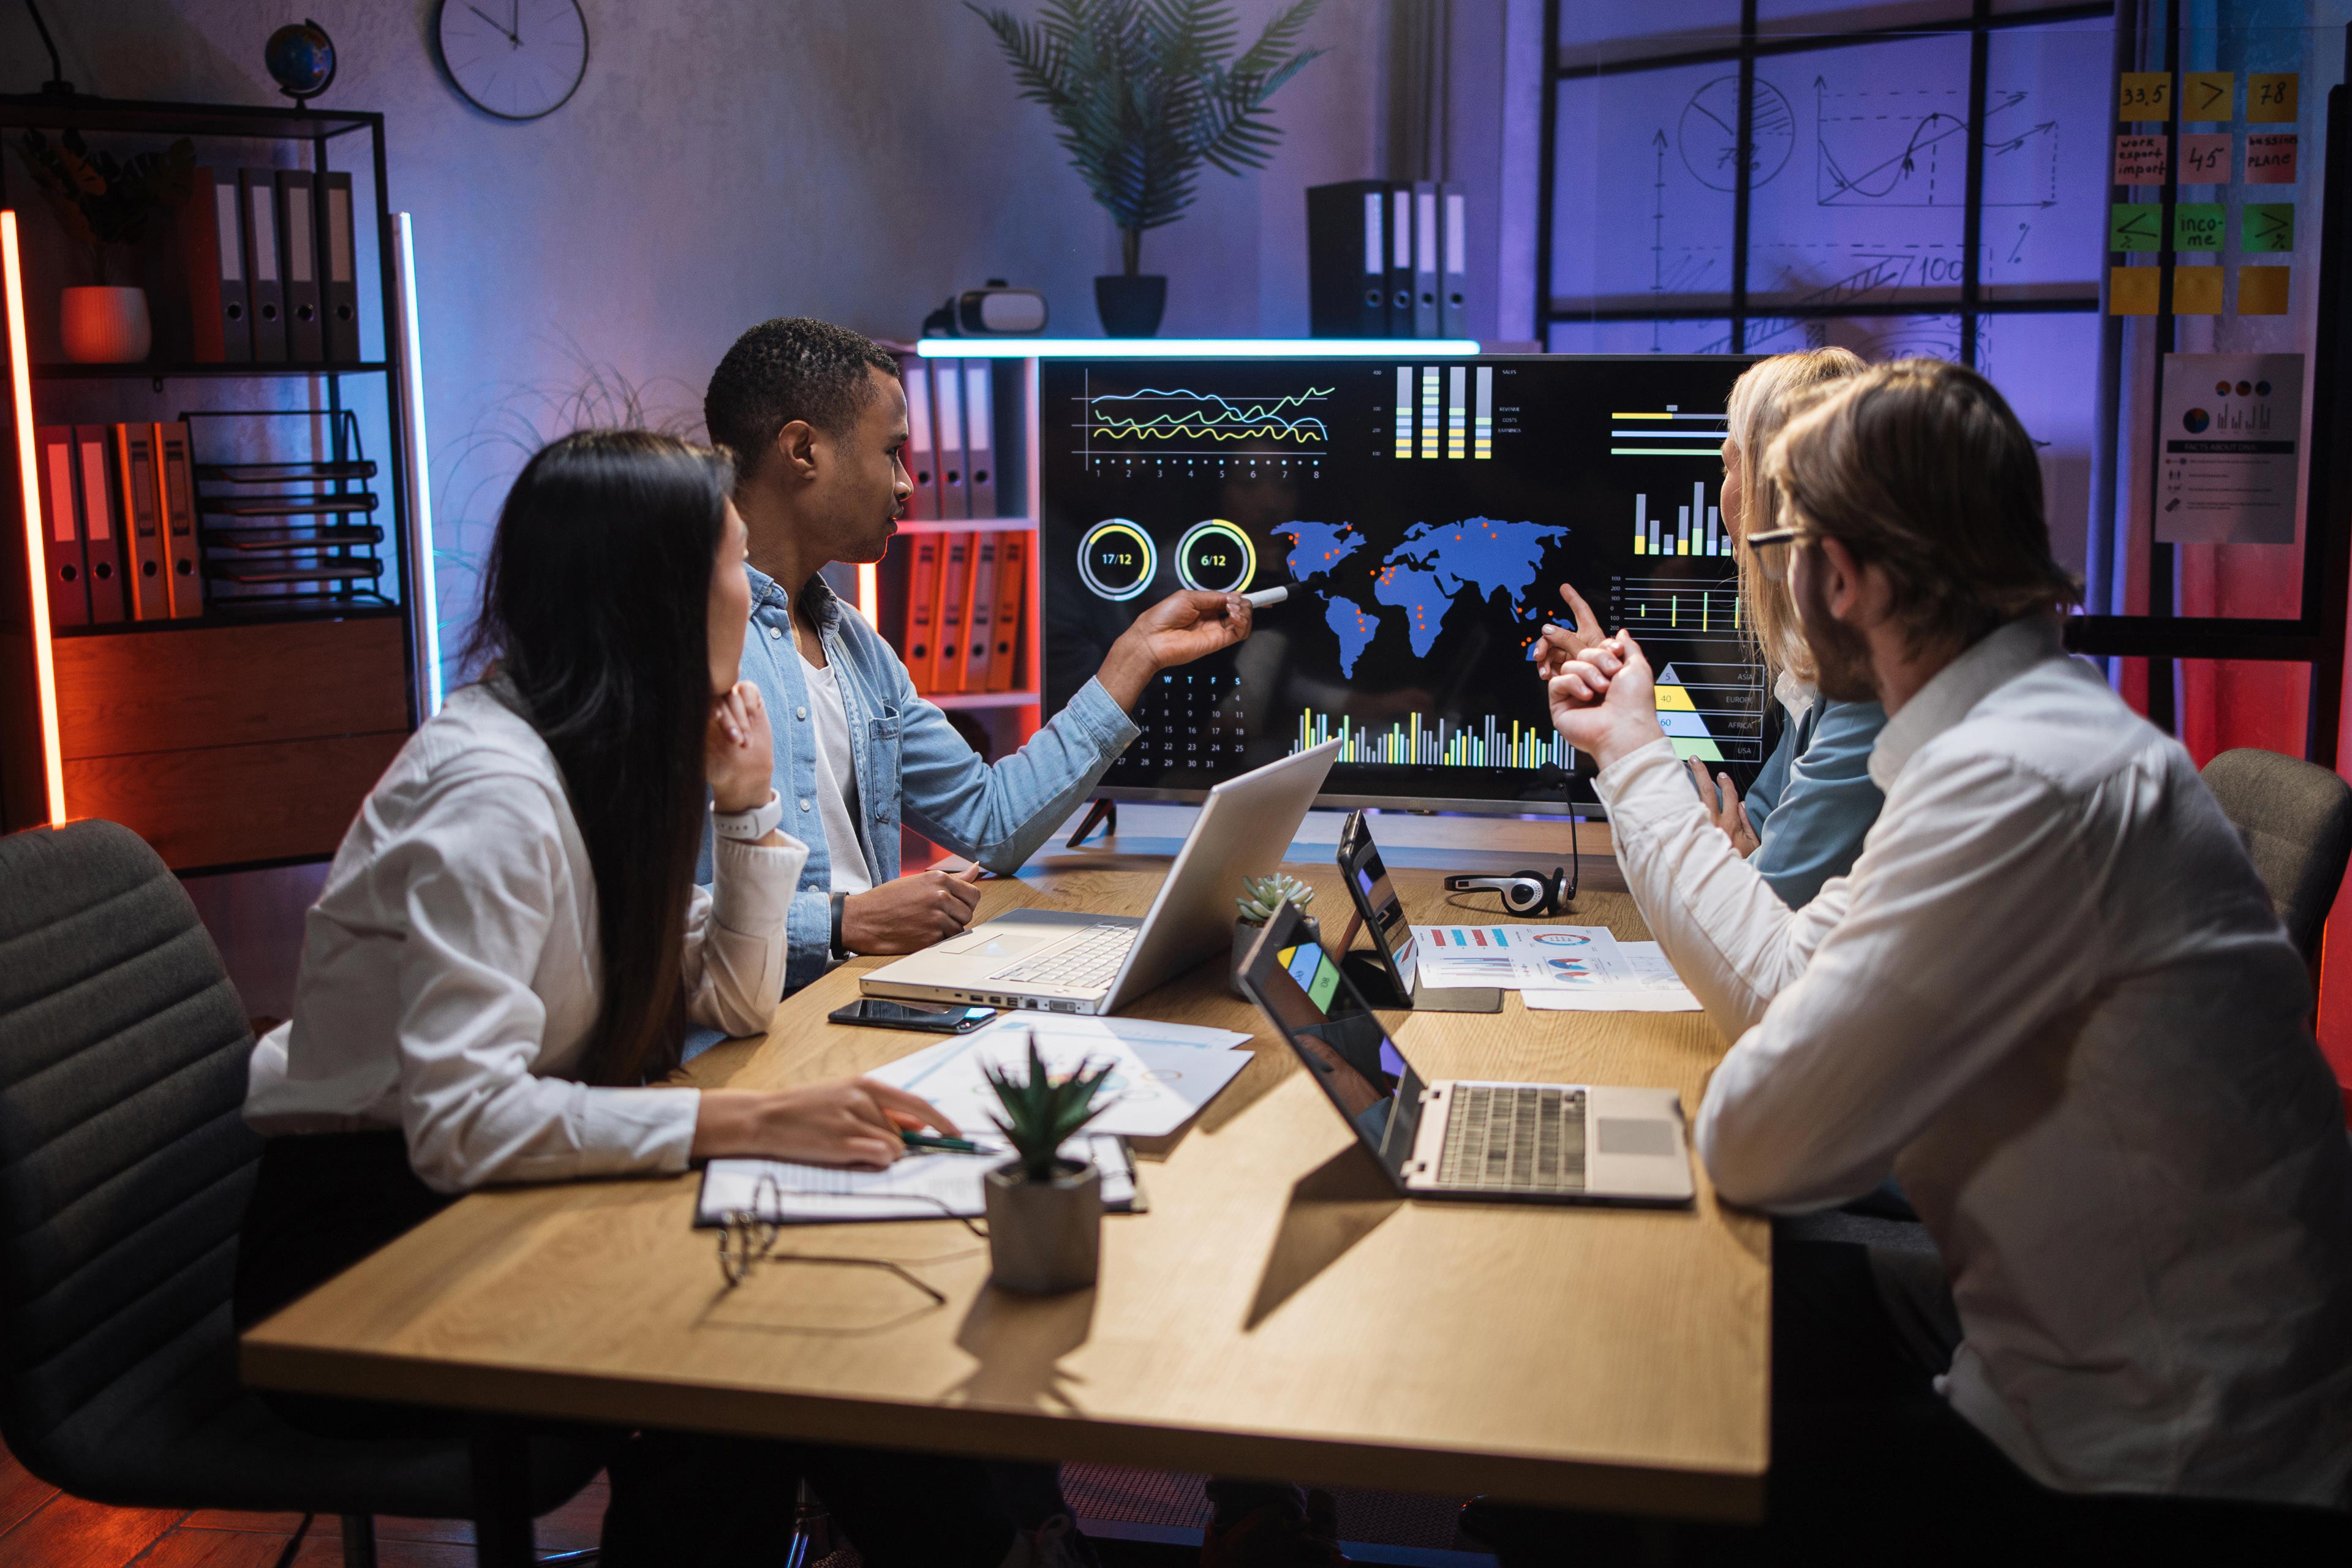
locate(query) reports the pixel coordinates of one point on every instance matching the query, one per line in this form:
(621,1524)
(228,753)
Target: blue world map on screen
(1433,569)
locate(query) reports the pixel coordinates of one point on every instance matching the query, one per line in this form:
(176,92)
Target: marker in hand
(1266,598)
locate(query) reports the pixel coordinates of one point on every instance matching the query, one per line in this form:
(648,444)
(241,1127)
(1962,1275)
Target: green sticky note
(2198,226)
(2135,226)
(2267,227)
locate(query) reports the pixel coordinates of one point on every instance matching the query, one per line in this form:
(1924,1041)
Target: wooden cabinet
(232,745)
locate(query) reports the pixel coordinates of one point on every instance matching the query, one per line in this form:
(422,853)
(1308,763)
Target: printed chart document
(919,1186)
(1161,1074)
(1655,987)
(1518,958)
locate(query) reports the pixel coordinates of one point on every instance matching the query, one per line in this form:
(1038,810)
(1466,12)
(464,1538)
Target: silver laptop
(1065,963)
(1464,1138)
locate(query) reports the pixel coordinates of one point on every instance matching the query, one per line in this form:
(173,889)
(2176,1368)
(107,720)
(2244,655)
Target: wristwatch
(751,825)
(840,902)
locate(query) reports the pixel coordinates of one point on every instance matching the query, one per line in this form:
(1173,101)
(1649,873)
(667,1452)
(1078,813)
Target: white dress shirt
(451,970)
(2054,1000)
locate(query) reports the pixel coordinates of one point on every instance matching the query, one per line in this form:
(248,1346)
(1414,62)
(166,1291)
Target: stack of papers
(920,1186)
(1653,987)
(1161,1074)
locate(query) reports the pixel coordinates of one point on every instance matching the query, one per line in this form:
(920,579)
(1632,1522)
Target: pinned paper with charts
(1516,958)
(2229,472)
(1161,1074)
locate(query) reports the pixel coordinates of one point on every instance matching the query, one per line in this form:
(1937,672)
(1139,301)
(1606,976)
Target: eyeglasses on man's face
(1773,549)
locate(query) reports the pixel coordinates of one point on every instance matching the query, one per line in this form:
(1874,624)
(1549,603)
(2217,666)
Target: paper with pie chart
(1518,958)
(1161,1074)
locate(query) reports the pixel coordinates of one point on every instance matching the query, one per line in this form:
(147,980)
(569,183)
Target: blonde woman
(1805,816)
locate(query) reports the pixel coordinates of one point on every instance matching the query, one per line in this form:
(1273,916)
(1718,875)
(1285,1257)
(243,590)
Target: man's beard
(1842,666)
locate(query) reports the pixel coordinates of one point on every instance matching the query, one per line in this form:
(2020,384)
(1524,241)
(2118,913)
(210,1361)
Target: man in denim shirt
(816,418)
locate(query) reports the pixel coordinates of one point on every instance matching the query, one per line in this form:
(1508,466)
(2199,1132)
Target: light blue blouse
(1814,802)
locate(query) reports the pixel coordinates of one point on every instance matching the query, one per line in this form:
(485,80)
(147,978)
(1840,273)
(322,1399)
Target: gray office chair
(124,1167)
(2297,819)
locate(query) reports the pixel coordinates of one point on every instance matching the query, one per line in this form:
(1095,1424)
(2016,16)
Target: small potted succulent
(1261,896)
(1044,1212)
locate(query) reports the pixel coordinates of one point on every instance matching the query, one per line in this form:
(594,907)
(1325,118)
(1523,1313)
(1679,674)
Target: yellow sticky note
(2196,291)
(2272,97)
(2144,95)
(2262,290)
(2131,290)
(2209,95)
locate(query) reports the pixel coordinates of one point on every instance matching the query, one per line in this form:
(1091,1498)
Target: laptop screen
(1342,1044)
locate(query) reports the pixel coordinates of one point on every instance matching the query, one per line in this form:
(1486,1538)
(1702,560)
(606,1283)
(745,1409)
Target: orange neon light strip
(870,595)
(29,482)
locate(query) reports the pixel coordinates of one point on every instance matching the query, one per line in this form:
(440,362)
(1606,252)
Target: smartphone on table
(886,1013)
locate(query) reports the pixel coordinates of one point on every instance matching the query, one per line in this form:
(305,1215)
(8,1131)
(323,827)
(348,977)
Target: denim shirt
(908,760)
(1813,801)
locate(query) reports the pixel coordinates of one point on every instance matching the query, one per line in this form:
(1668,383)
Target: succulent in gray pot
(1142,93)
(1261,896)
(1044,1212)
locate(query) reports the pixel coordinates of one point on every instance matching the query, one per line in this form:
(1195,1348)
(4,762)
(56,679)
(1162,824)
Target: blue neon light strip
(1195,348)
(428,606)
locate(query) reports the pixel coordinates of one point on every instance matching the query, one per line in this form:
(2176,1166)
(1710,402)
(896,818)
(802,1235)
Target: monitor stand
(1373,982)
(1102,813)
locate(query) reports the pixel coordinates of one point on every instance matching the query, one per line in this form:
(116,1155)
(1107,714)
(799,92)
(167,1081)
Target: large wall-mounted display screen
(1423,514)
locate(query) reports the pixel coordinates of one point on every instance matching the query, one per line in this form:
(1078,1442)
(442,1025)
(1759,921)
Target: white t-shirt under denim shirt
(451,970)
(836,780)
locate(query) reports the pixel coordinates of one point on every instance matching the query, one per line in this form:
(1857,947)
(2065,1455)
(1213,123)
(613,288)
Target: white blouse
(451,970)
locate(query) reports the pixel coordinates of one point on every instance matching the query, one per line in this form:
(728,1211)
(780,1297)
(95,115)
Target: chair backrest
(2297,819)
(124,1159)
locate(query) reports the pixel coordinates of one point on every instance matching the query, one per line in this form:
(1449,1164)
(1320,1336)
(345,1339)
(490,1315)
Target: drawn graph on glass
(1167,421)
(1909,148)
(1708,134)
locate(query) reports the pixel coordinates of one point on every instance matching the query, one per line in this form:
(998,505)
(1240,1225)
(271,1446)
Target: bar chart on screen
(1455,409)
(1696,528)
(1709,683)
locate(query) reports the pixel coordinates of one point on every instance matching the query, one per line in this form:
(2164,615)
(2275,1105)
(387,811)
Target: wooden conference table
(1278,1312)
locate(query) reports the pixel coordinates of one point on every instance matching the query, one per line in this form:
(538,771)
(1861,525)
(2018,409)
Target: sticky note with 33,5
(2205,158)
(2131,290)
(2262,290)
(2266,227)
(2139,159)
(2269,157)
(2144,95)
(2209,95)
(2199,226)
(2272,98)
(2196,290)
(2135,226)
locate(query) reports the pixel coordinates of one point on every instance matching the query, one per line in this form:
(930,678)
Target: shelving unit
(248,734)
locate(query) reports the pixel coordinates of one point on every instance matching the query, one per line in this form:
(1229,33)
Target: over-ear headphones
(1524,892)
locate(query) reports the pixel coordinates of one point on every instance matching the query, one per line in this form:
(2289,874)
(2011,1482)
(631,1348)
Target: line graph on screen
(1176,421)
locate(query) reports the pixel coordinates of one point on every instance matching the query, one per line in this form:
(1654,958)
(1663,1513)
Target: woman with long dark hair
(511,945)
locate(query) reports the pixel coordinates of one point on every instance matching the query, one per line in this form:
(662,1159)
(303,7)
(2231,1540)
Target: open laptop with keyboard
(1464,1138)
(1061,962)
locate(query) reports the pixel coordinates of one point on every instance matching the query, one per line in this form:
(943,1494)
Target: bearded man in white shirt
(2052,997)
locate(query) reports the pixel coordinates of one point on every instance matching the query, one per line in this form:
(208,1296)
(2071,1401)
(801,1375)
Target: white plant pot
(106,325)
(1044,1237)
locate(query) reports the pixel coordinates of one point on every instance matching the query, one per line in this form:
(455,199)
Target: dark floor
(40,1527)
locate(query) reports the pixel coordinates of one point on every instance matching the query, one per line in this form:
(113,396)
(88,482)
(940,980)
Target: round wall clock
(515,59)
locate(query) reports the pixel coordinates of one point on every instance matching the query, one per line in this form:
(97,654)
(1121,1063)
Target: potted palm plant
(1044,1211)
(1142,93)
(1260,897)
(103,202)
